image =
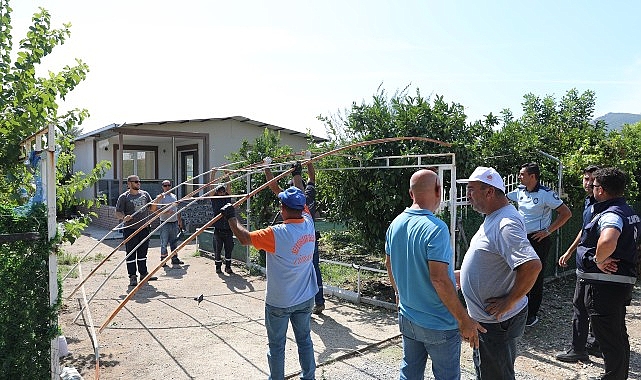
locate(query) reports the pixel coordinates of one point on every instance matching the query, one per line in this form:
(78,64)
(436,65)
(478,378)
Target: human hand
(267,160)
(308,154)
(498,306)
(228,211)
(540,235)
(608,265)
(127,218)
(298,169)
(469,329)
(563,260)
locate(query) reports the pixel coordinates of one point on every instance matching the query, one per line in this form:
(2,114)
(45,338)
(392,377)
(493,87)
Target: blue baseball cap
(293,198)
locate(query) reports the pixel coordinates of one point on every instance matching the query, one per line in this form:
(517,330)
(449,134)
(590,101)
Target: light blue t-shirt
(413,238)
(536,206)
(488,270)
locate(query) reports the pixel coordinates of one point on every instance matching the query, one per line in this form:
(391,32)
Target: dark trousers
(318,299)
(224,239)
(494,359)
(581,333)
(535,296)
(137,259)
(606,304)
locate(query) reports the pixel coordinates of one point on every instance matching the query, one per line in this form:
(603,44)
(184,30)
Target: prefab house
(178,150)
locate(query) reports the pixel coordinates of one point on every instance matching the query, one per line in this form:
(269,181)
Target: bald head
(425,190)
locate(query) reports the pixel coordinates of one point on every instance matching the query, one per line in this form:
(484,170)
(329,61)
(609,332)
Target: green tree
(367,200)
(29,103)
(264,206)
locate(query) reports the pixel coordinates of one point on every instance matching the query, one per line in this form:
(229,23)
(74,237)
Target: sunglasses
(166,185)
(135,181)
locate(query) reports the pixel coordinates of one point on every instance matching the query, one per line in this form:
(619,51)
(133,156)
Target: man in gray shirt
(498,270)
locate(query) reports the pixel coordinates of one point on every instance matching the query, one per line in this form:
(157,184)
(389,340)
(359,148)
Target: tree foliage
(29,103)
(366,200)
(264,206)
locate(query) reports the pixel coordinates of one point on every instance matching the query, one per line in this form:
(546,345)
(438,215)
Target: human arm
(563,215)
(388,265)
(311,173)
(120,210)
(273,186)
(242,234)
(605,246)
(297,175)
(563,260)
(446,291)
(526,275)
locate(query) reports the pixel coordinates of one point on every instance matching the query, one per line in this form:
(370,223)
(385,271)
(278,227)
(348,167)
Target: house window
(140,163)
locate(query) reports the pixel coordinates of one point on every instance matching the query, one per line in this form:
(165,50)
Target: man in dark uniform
(607,258)
(223,235)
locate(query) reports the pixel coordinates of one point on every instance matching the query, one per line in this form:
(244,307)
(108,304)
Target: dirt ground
(163,333)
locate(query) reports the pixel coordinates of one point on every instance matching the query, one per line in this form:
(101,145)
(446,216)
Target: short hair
(612,180)
(590,169)
(532,168)
(132,177)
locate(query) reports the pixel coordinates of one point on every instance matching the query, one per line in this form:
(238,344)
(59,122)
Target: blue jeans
(443,346)
(276,321)
(168,234)
(494,359)
(319,299)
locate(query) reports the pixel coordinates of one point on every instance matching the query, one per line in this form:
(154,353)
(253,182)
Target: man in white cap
(498,270)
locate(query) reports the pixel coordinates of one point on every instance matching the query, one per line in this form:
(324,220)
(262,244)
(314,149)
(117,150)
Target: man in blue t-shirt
(420,265)
(536,203)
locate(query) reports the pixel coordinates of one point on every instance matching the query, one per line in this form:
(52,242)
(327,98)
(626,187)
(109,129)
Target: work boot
(318,309)
(133,281)
(228,269)
(152,278)
(176,261)
(218,270)
(593,349)
(571,356)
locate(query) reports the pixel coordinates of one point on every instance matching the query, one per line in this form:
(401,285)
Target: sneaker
(133,281)
(228,270)
(594,350)
(531,321)
(571,356)
(318,309)
(218,270)
(176,261)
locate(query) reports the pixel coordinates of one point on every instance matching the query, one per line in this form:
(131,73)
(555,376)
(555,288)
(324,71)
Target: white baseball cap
(486,175)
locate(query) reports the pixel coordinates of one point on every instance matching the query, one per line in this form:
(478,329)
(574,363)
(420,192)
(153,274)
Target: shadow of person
(237,283)
(336,337)
(145,293)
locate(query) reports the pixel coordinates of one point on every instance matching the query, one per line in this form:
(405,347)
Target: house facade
(179,150)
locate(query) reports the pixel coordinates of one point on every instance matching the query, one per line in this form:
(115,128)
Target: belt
(620,279)
(162,221)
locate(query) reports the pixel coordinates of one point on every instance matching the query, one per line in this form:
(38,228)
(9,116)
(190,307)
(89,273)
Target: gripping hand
(228,211)
(267,160)
(298,169)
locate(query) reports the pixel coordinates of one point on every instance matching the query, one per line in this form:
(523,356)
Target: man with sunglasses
(132,209)
(170,219)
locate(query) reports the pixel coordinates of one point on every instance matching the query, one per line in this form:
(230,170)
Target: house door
(188,170)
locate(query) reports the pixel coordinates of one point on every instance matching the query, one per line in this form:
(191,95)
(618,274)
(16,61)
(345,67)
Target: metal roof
(110,129)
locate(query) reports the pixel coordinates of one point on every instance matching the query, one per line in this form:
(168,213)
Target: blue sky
(286,62)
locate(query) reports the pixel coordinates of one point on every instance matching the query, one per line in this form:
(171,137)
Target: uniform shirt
(291,278)
(413,238)
(129,204)
(166,200)
(536,206)
(217,204)
(488,270)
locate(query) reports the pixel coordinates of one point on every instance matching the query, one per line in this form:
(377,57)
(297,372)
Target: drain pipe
(560,187)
